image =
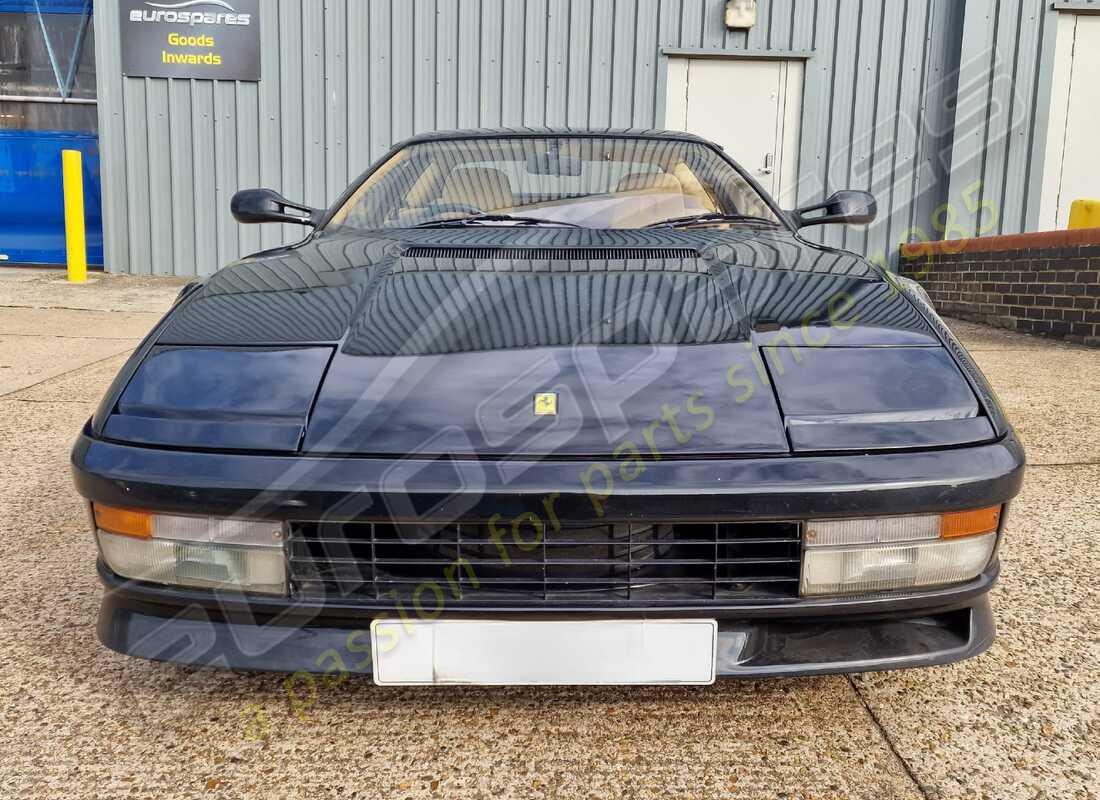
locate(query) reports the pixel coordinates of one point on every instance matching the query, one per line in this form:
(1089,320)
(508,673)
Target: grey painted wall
(343,79)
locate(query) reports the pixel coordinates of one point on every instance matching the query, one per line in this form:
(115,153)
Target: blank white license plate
(543,652)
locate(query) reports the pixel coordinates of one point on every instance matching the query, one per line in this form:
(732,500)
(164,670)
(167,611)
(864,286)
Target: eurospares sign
(211,39)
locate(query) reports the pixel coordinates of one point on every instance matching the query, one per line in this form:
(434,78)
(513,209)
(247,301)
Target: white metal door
(752,108)
(1072,161)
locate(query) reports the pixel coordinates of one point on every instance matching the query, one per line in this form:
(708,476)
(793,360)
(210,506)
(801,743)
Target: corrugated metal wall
(1000,119)
(343,79)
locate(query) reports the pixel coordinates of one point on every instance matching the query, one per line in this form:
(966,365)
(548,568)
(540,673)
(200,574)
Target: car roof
(501,133)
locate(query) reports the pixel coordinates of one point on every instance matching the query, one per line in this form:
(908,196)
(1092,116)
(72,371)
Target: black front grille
(526,564)
(552,253)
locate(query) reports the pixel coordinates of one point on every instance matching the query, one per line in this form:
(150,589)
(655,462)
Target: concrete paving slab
(76,324)
(982,337)
(22,274)
(1052,397)
(28,360)
(102,292)
(84,385)
(1023,720)
(154,731)
(35,482)
(1048,389)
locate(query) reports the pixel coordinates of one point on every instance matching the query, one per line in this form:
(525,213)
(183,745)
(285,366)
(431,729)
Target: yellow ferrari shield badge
(546,404)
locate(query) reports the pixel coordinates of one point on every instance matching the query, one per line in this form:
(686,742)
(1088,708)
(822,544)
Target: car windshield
(590,182)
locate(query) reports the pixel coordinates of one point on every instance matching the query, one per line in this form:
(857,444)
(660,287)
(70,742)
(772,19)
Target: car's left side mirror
(850,207)
(267,205)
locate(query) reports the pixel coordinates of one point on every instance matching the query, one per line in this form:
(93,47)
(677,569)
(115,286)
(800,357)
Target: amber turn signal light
(970,523)
(125,521)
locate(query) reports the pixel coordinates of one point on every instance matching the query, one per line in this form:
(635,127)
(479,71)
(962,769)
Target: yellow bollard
(1084,214)
(75,246)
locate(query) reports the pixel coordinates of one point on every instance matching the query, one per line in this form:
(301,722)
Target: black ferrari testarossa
(550,406)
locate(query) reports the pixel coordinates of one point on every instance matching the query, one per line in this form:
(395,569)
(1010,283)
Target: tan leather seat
(650,181)
(483,187)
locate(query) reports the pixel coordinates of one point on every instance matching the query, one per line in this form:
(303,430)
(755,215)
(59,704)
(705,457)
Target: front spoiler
(158,624)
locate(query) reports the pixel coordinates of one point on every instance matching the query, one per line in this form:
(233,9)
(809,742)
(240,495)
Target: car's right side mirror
(850,206)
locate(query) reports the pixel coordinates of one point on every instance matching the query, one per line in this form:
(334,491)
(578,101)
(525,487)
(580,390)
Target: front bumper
(796,637)
(317,487)
(198,628)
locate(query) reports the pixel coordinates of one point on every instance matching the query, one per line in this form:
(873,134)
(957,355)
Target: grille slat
(571,542)
(580,581)
(611,563)
(482,562)
(551,253)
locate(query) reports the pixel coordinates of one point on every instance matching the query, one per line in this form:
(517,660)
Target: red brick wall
(1041,283)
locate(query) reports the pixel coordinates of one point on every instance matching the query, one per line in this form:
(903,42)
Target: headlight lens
(207,552)
(852,570)
(872,555)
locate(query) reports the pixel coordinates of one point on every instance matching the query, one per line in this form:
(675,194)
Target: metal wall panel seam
(469,63)
(1013,189)
(557,67)
(181,147)
(202,179)
(643,106)
(972,106)
(1039,123)
(159,177)
(111,112)
(269,120)
(578,95)
(445,52)
(137,189)
(665,38)
(292,144)
(1002,88)
(403,56)
(336,96)
(816,103)
(380,75)
(492,65)
(424,67)
(841,105)
(248,156)
(883,140)
(936,102)
(314,105)
(603,53)
(225,159)
(868,75)
(905,135)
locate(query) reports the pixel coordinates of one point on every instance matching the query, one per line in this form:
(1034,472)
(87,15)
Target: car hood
(538,341)
(317,291)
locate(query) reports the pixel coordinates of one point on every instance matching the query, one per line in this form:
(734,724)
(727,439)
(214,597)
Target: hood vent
(552,253)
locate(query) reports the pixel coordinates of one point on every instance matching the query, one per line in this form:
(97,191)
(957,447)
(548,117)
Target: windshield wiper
(473,219)
(710,216)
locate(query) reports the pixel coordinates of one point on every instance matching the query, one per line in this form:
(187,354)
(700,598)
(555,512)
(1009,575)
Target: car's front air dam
(187,627)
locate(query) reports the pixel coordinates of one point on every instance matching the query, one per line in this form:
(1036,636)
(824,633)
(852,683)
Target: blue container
(32,201)
(45,6)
